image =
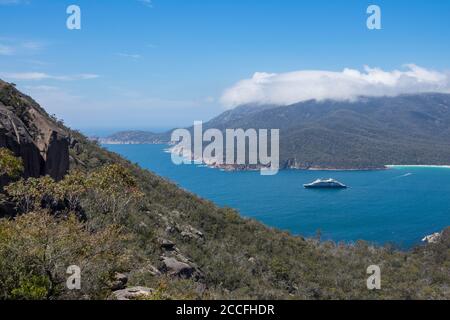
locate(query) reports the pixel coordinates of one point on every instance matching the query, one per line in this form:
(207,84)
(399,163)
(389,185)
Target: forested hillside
(368,133)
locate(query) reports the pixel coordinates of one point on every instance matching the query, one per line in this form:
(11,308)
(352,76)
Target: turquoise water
(398,206)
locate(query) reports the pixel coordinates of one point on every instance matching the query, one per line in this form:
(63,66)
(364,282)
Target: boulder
(177,268)
(167,244)
(190,232)
(119,282)
(432,238)
(133,293)
(153,270)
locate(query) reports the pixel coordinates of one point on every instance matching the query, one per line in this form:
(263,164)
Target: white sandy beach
(417,166)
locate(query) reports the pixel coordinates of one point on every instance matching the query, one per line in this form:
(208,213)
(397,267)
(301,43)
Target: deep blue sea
(399,206)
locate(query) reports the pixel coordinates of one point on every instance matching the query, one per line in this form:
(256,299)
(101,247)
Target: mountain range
(368,133)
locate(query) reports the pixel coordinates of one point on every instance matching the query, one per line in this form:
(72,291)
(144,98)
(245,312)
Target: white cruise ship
(325,184)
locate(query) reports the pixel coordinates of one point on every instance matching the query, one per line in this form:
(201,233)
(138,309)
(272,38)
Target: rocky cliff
(27,130)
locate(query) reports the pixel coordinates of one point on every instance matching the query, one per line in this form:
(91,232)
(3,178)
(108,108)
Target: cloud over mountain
(349,84)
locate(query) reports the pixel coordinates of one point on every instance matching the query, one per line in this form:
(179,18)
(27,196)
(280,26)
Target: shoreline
(337,169)
(244,168)
(393,166)
(386,167)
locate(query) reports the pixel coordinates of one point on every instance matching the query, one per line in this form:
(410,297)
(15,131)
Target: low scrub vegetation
(108,216)
(36,250)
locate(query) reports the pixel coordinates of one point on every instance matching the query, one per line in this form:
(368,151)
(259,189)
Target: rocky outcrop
(186,231)
(432,238)
(190,233)
(167,244)
(133,293)
(28,131)
(177,268)
(175,264)
(119,282)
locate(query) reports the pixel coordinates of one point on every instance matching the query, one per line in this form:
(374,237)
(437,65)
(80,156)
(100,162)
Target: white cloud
(130,55)
(10,2)
(37,76)
(15,47)
(14,2)
(349,84)
(6,50)
(33,45)
(84,76)
(147,3)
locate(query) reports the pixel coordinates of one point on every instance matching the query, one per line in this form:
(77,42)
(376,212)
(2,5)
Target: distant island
(134,137)
(366,134)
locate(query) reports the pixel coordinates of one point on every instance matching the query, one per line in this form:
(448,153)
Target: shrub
(10,165)
(72,189)
(112,189)
(32,193)
(36,249)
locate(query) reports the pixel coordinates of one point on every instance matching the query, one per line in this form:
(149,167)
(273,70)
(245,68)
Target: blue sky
(165,63)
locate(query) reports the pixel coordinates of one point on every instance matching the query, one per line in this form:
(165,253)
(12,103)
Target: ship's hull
(307,186)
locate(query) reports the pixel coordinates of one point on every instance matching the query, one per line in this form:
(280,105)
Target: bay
(399,206)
